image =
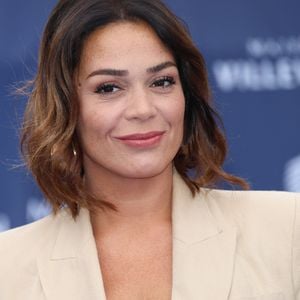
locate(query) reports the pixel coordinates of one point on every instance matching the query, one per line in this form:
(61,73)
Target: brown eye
(163,82)
(107,88)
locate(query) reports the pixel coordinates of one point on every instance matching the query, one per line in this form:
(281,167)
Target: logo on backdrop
(291,179)
(270,64)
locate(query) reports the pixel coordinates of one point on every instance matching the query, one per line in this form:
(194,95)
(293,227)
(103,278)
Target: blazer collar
(203,247)
(203,253)
(192,219)
(69,267)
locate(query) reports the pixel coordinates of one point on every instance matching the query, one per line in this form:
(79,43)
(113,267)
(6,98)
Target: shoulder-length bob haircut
(49,141)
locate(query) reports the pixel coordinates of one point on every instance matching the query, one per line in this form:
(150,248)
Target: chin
(143,172)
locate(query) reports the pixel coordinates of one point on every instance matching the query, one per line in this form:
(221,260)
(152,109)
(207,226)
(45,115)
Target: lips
(142,139)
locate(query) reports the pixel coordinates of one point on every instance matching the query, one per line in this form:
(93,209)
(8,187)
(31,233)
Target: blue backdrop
(252,49)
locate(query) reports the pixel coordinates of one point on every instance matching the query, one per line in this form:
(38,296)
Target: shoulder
(267,218)
(30,234)
(252,197)
(261,217)
(260,206)
(20,246)
(268,227)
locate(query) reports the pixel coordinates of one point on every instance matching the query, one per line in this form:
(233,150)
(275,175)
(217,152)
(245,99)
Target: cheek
(175,113)
(93,124)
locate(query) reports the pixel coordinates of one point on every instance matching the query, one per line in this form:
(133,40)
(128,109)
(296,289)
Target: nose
(140,105)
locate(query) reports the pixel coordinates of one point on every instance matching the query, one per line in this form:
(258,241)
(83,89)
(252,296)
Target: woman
(118,115)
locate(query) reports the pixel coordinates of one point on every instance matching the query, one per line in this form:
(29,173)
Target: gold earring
(53,150)
(74,150)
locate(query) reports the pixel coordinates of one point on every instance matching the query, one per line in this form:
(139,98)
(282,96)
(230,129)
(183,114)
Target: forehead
(123,43)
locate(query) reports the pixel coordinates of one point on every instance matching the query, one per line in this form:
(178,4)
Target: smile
(142,140)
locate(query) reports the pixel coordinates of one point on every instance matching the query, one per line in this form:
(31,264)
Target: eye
(164,82)
(107,88)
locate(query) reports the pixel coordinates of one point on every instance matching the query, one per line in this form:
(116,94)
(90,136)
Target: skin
(128,83)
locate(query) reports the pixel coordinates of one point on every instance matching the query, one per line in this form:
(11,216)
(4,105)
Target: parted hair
(49,142)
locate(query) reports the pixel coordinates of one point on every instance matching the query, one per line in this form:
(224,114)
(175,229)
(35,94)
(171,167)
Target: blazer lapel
(203,254)
(69,268)
(203,250)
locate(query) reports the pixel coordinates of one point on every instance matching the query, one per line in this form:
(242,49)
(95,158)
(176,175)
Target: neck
(138,201)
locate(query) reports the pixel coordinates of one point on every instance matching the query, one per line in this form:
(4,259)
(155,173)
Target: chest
(136,268)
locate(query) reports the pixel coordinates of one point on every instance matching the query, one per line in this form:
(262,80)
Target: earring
(74,150)
(53,150)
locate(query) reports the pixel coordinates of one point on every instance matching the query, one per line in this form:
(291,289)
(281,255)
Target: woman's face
(131,103)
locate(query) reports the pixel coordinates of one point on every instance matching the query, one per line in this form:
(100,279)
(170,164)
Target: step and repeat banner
(252,50)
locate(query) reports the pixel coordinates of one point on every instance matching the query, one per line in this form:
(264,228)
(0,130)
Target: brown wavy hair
(49,138)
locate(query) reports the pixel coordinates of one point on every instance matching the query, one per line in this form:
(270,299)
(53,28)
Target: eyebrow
(111,72)
(161,66)
(121,73)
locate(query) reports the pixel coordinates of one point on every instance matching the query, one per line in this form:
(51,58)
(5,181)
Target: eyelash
(170,79)
(157,83)
(101,88)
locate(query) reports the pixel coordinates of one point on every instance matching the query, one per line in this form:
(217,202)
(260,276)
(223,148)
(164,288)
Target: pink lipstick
(142,140)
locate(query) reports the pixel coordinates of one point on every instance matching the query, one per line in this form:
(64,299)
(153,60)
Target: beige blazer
(226,245)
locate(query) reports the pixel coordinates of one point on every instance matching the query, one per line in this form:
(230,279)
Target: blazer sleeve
(296,248)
